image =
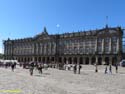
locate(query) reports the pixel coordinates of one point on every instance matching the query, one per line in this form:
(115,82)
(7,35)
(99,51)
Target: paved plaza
(54,81)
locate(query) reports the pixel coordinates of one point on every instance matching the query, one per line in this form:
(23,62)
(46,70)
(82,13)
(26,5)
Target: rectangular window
(114,39)
(107,40)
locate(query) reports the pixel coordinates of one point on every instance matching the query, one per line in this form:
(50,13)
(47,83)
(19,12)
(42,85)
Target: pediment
(43,37)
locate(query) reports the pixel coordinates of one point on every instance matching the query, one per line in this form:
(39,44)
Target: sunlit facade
(101,46)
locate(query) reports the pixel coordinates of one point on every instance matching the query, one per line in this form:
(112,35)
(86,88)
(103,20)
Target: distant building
(101,46)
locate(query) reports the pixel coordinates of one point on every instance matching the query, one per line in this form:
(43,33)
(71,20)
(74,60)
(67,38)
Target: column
(37,48)
(90,46)
(83,47)
(110,60)
(96,45)
(78,60)
(55,60)
(46,60)
(33,58)
(40,48)
(37,58)
(110,45)
(78,46)
(96,61)
(102,45)
(103,60)
(63,60)
(117,45)
(67,62)
(50,52)
(72,60)
(23,59)
(90,60)
(118,59)
(84,60)
(33,48)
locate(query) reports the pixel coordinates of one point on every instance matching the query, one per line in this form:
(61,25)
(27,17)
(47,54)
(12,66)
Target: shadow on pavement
(42,75)
(39,75)
(122,73)
(46,73)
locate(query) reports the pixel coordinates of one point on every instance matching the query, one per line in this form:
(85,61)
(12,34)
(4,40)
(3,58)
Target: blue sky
(26,18)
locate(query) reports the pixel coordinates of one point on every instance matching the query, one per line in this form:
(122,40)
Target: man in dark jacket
(31,68)
(12,66)
(116,67)
(79,67)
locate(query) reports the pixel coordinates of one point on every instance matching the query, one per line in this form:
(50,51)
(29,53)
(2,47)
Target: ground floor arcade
(105,59)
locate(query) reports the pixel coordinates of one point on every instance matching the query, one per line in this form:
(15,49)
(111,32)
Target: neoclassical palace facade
(101,46)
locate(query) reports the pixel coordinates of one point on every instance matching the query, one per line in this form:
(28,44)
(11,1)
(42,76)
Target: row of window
(42,48)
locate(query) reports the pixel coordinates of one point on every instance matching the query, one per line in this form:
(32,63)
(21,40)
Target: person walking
(75,68)
(116,67)
(6,65)
(12,67)
(79,68)
(15,64)
(24,65)
(69,67)
(31,68)
(106,69)
(110,68)
(40,68)
(96,67)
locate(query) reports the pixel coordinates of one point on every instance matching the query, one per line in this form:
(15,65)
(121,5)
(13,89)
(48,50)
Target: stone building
(101,46)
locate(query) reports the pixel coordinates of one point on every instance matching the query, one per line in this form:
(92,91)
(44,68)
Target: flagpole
(106,20)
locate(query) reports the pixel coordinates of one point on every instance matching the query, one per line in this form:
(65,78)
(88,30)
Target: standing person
(14,64)
(79,68)
(6,65)
(46,66)
(64,66)
(116,67)
(110,68)
(37,66)
(20,64)
(106,69)
(68,67)
(40,68)
(96,67)
(31,68)
(24,65)
(12,67)
(75,68)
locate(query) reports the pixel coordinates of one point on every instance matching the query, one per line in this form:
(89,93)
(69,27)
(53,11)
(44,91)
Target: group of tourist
(39,66)
(76,67)
(11,65)
(108,70)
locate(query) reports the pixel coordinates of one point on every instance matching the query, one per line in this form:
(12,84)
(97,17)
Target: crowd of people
(11,65)
(39,66)
(108,68)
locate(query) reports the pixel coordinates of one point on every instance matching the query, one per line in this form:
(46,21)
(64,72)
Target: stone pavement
(54,81)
